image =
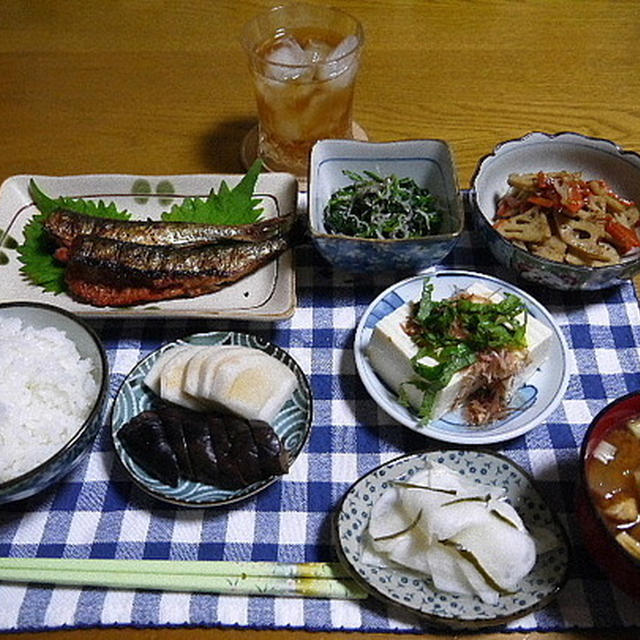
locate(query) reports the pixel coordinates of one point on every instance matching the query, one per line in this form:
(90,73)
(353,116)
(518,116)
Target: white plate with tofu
(535,377)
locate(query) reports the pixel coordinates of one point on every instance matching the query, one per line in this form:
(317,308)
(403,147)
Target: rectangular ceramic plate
(267,294)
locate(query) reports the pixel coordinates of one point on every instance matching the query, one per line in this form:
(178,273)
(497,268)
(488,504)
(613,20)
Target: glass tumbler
(304,61)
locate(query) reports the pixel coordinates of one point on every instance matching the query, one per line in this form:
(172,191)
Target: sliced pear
(446,572)
(387,516)
(478,583)
(372,555)
(429,490)
(504,510)
(410,550)
(461,533)
(440,476)
(468,557)
(452,517)
(408,484)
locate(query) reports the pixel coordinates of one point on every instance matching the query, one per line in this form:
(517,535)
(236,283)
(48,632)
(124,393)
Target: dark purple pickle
(144,439)
(202,453)
(244,450)
(229,473)
(273,457)
(175,420)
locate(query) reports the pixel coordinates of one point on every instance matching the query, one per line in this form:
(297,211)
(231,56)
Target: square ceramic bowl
(596,159)
(429,162)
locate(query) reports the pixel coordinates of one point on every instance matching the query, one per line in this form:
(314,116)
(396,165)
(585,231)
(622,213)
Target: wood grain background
(162,87)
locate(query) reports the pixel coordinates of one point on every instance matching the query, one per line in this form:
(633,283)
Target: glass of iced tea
(304,61)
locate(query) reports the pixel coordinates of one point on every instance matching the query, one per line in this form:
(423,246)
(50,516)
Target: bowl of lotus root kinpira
(561,209)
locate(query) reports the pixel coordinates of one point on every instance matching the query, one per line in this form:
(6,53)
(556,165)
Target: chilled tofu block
(390,352)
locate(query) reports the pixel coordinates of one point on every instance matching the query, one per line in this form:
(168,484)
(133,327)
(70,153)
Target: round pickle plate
(415,592)
(292,423)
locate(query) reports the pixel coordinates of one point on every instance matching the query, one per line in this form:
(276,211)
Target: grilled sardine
(106,272)
(65,226)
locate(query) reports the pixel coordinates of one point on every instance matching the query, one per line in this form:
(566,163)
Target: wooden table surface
(161,87)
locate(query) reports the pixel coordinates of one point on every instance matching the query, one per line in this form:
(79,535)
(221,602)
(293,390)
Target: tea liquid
(303,94)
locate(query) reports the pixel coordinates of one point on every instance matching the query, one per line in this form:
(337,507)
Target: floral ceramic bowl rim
(62,462)
(484,191)
(416,594)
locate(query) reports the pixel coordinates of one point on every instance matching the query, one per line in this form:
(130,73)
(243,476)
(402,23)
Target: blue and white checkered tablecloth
(96,512)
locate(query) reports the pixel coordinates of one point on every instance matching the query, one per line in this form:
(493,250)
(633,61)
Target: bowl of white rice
(53,386)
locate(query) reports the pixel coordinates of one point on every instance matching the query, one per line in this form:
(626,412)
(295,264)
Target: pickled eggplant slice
(202,453)
(244,450)
(145,441)
(177,438)
(229,476)
(174,442)
(274,460)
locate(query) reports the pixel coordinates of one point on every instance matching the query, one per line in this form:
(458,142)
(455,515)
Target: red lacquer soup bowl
(621,565)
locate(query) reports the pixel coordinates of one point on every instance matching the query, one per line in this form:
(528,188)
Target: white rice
(46,392)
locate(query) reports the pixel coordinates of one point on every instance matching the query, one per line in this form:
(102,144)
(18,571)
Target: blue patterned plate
(530,405)
(416,593)
(292,424)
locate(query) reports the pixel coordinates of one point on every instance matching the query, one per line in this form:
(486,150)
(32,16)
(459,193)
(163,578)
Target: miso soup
(613,477)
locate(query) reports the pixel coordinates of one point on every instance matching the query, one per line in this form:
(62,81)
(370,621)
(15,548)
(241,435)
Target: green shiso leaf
(99,209)
(38,263)
(228,206)
(425,306)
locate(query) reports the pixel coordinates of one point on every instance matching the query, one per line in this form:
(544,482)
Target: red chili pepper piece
(542,202)
(623,237)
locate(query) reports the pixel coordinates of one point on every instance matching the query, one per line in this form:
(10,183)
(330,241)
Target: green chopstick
(307,579)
